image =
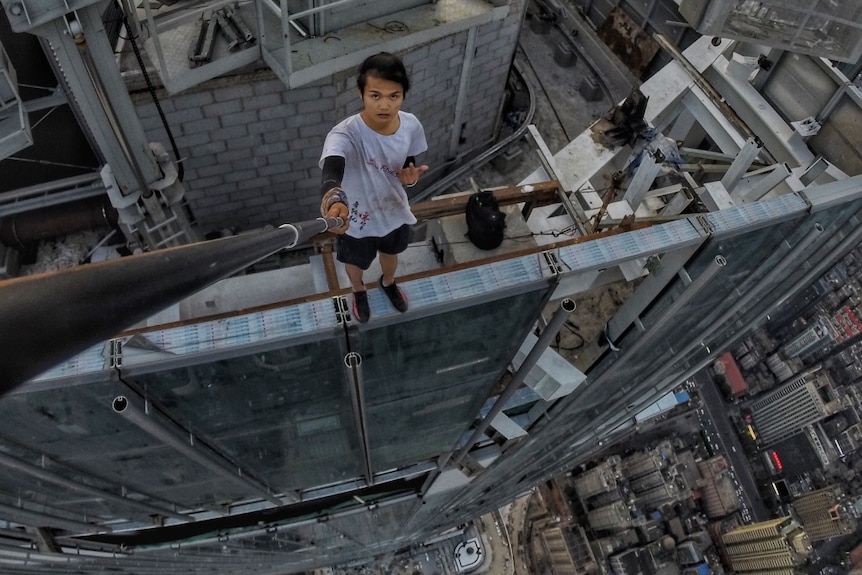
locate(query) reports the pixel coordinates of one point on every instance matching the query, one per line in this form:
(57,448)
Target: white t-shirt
(377,201)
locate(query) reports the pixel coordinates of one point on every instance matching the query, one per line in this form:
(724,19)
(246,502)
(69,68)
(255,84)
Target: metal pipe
(36,518)
(51,477)
(58,220)
(163,429)
(353,361)
(690,291)
(92,181)
(789,259)
(450,179)
(567,306)
(101,299)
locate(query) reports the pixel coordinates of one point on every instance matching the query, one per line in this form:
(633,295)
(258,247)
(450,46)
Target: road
(716,422)
(515,517)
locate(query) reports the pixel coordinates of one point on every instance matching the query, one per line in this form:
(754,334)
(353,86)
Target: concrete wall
(251,146)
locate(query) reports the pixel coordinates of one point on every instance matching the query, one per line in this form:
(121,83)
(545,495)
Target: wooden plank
(329,266)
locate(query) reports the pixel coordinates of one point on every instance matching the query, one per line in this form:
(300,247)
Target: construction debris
(623,123)
(228,24)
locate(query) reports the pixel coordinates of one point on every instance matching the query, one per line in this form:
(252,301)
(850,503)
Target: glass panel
(341,537)
(285,414)
(77,425)
(745,256)
(750,257)
(426,379)
(821,28)
(23,488)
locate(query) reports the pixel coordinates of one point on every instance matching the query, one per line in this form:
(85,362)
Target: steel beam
(642,179)
(741,163)
(567,306)
(39,519)
(577,215)
(160,427)
(650,333)
(762,185)
(24,15)
(103,101)
(50,477)
(353,361)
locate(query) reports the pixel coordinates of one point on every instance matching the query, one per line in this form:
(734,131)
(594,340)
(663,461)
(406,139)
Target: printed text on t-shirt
(384,168)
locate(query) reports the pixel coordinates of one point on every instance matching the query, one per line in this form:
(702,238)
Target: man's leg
(354,273)
(388,265)
(361,309)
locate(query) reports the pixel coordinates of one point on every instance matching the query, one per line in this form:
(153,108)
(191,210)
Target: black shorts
(360,252)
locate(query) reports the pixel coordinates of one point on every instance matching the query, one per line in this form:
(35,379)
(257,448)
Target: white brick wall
(250,146)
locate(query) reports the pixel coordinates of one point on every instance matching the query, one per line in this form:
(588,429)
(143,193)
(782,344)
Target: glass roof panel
(77,425)
(284,413)
(426,379)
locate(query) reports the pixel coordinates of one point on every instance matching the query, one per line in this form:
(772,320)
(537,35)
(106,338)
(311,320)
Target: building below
(777,546)
(787,410)
(824,513)
(257,426)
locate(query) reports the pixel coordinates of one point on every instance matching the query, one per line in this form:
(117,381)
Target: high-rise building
(717,490)
(634,561)
(814,337)
(257,427)
(600,479)
(775,546)
(823,513)
(786,411)
(612,517)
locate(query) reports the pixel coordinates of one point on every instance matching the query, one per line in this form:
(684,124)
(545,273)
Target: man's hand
(409,176)
(339,210)
(334,205)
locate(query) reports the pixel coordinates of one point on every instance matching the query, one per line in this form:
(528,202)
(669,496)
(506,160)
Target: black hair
(385,66)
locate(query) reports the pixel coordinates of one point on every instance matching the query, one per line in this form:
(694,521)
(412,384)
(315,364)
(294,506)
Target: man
(372,155)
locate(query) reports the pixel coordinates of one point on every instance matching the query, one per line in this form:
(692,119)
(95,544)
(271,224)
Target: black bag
(485,221)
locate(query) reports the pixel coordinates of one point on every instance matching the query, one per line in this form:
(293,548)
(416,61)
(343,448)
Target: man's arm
(334,201)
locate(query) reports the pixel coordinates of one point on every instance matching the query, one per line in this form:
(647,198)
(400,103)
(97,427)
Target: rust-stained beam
(539,194)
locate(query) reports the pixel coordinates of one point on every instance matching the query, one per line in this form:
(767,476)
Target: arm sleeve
(333,172)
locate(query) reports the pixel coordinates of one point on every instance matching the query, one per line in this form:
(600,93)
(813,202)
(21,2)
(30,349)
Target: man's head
(385,66)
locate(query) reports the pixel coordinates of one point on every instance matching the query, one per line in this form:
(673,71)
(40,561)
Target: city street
(716,421)
(515,518)
(494,539)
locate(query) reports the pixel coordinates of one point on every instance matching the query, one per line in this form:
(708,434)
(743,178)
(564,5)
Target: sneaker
(361,311)
(395,295)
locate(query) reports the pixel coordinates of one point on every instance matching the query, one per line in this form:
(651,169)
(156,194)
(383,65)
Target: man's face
(381,101)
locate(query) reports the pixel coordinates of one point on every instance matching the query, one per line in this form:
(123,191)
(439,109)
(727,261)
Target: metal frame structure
(296,54)
(141,182)
(767,218)
(15,135)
